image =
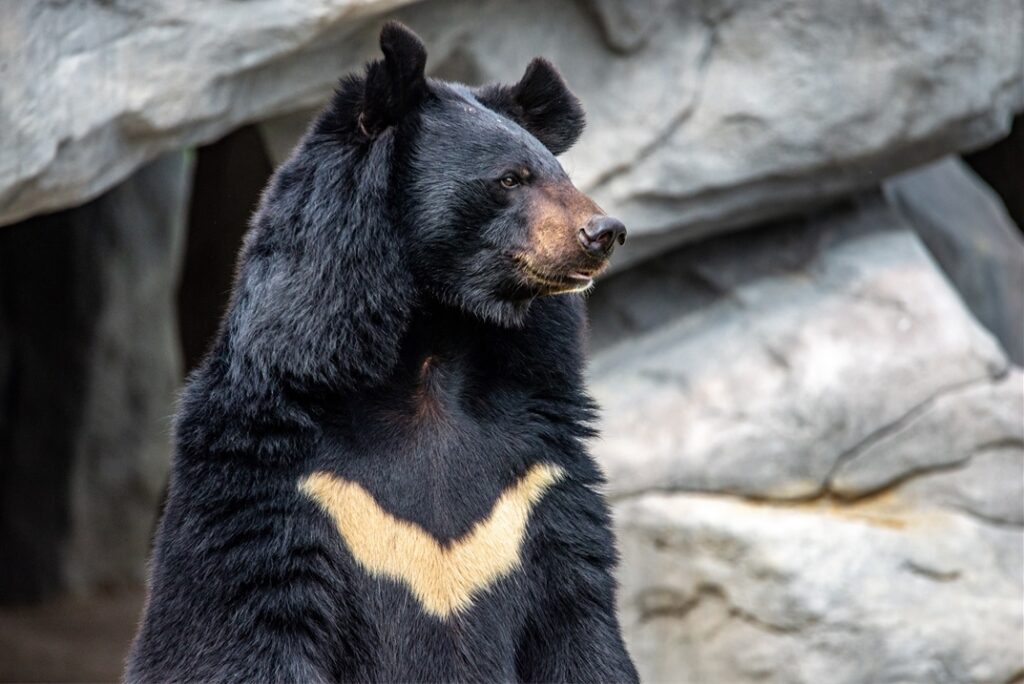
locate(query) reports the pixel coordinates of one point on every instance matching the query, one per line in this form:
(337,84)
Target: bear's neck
(453,366)
(452,369)
(446,355)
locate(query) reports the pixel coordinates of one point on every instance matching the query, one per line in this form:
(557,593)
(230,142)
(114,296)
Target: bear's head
(490,220)
(407,188)
(495,219)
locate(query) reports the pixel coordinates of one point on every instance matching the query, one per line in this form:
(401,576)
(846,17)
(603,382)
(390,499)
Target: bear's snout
(570,239)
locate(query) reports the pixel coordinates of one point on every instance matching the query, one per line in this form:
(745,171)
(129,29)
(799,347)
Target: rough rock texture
(89,364)
(93,90)
(967,229)
(726,590)
(814,337)
(942,434)
(816,458)
(702,115)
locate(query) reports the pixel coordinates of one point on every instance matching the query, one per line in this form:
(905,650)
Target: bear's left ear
(541,103)
(396,84)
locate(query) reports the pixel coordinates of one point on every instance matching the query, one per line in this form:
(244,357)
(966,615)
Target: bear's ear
(541,103)
(396,84)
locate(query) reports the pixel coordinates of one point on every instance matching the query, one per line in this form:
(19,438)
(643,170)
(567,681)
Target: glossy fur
(385,365)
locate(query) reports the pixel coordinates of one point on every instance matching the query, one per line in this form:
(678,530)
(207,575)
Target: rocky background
(809,358)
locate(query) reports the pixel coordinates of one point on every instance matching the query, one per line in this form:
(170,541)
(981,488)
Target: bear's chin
(580,287)
(508,311)
(507,314)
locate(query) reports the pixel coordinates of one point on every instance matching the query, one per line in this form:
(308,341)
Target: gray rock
(967,229)
(94,90)
(755,363)
(702,115)
(89,364)
(716,589)
(947,431)
(988,486)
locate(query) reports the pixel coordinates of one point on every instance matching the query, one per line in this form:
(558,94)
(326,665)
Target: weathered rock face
(94,90)
(816,458)
(89,363)
(967,229)
(702,115)
(727,590)
(815,336)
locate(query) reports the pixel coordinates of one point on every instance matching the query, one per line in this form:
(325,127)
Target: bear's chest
(435,496)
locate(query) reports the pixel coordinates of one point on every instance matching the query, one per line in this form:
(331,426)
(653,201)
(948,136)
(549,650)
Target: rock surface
(969,232)
(94,90)
(702,115)
(813,338)
(816,459)
(89,365)
(716,589)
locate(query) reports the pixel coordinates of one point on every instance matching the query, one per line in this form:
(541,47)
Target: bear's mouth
(558,283)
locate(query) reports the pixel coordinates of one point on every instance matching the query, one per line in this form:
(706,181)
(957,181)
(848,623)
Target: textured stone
(702,115)
(89,364)
(966,228)
(755,363)
(725,590)
(945,432)
(94,90)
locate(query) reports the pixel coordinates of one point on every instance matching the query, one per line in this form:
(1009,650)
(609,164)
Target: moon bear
(380,468)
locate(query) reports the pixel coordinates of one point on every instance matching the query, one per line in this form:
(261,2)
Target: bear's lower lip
(570,282)
(580,283)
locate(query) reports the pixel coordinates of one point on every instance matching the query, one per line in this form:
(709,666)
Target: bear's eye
(510,180)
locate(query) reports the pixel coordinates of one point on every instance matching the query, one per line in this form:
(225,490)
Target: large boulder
(89,365)
(813,339)
(702,115)
(967,229)
(716,589)
(816,460)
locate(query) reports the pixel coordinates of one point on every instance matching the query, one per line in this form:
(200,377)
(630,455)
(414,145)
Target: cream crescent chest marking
(443,578)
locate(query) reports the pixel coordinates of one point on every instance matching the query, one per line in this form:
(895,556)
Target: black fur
(542,104)
(376,270)
(396,84)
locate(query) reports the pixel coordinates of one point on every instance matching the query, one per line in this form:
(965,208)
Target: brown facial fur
(557,212)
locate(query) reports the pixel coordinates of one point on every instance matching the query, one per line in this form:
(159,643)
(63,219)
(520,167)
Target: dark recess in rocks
(88,369)
(229,177)
(1001,165)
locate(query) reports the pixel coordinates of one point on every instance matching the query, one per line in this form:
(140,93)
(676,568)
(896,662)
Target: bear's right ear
(396,84)
(541,103)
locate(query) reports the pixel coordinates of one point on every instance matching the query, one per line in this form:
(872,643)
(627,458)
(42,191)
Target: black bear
(380,472)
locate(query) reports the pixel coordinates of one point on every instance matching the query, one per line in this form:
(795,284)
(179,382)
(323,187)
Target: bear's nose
(601,234)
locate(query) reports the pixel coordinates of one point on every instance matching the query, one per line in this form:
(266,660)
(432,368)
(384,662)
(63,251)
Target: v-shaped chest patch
(444,578)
